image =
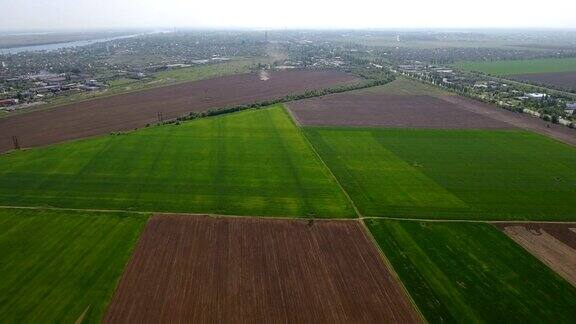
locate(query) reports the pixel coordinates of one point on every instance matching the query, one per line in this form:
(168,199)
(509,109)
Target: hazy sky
(56,14)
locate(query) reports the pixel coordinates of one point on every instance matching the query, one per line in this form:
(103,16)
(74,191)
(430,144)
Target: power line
(16,143)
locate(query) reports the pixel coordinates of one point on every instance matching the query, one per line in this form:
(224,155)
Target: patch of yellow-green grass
(405,87)
(255,162)
(59,266)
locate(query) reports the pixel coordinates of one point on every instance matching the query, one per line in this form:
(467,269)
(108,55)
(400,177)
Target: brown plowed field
(565,80)
(195,269)
(380,107)
(418,111)
(525,121)
(554,244)
(133,110)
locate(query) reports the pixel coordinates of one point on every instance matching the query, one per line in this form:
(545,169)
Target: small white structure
(536,95)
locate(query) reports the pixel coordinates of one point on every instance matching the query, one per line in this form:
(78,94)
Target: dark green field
(510,67)
(249,163)
(56,266)
(472,273)
(452,174)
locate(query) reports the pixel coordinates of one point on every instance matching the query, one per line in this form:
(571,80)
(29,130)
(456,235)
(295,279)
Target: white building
(536,95)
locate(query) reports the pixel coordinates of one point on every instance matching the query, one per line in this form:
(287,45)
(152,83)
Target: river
(57,46)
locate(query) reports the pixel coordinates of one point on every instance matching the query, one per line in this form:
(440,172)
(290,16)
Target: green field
(209,71)
(56,266)
(520,66)
(406,42)
(403,86)
(452,174)
(472,273)
(250,163)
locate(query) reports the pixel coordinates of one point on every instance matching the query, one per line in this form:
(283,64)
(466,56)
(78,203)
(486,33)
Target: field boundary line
(191,214)
(285,217)
(76,209)
(390,267)
(445,220)
(292,115)
(303,134)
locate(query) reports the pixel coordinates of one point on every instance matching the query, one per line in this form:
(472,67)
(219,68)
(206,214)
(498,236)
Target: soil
(384,110)
(553,244)
(564,80)
(135,110)
(198,269)
(525,121)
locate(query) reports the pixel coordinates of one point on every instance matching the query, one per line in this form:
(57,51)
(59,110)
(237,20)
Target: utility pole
(15,141)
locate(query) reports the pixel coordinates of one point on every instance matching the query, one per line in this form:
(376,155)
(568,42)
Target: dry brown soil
(384,110)
(134,110)
(381,107)
(554,244)
(197,269)
(564,80)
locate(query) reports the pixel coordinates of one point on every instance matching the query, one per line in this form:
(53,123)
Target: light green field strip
(403,86)
(55,266)
(451,174)
(249,163)
(377,178)
(472,273)
(510,67)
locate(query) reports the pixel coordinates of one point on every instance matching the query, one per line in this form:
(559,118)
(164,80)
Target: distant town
(36,78)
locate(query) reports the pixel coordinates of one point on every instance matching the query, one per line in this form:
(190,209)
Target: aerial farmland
(135,110)
(287,176)
(557,72)
(234,269)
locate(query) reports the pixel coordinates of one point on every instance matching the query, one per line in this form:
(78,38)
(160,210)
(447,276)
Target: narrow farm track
(360,218)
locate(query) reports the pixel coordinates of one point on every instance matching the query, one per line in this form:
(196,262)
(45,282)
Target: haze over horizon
(85,14)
